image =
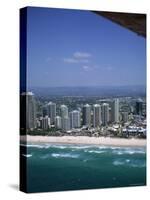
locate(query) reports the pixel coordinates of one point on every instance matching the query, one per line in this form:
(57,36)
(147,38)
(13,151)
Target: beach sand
(85,140)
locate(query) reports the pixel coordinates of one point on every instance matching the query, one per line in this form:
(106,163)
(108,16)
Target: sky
(80,48)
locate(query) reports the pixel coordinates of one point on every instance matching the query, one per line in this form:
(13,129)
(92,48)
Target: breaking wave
(64,155)
(94,151)
(129,151)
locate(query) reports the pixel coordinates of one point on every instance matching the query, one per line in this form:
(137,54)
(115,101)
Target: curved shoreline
(107,141)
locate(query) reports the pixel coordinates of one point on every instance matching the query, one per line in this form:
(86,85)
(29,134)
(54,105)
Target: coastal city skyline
(83,120)
(119,117)
(89,47)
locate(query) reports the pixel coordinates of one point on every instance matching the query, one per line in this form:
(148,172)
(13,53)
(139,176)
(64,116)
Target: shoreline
(85,140)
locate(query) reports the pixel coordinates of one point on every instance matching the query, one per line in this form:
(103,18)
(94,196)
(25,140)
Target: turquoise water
(72,167)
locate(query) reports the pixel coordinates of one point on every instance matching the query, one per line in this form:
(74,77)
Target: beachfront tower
(51,109)
(66,123)
(86,115)
(58,122)
(45,123)
(63,111)
(96,115)
(105,114)
(75,119)
(115,111)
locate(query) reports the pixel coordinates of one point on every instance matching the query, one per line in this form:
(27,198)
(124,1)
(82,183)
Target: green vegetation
(49,132)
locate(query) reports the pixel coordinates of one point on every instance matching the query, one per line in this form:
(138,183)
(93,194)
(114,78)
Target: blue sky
(80,48)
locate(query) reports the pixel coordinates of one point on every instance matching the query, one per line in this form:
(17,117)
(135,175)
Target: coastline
(104,141)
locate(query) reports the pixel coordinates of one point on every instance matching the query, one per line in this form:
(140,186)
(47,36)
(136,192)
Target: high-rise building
(45,110)
(86,115)
(63,111)
(28,120)
(45,123)
(125,117)
(115,111)
(65,120)
(96,115)
(75,119)
(58,122)
(105,114)
(51,108)
(139,107)
(66,123)
(38,123)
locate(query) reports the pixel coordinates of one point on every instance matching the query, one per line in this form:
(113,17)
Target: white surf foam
(64,155)
(81,147)
(128,151)
(121,162)
(94,151)
(117,162)
(34,145)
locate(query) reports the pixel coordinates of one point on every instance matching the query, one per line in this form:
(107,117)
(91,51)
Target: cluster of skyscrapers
(61,118)
(88,116)
(95,115)
(65,120)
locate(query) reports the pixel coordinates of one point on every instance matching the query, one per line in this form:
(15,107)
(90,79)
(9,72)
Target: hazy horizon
(90,91)
(82,86)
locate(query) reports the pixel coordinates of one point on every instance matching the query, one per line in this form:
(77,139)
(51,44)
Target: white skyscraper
(86,115)
(115,111)
(58,122)
(105,113)
(75,119)
(96,115)
(51,109)
(66,123)
(28,107)
(63,111)
(45,123)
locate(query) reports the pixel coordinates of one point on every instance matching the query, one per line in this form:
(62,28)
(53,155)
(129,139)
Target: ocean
(62,167)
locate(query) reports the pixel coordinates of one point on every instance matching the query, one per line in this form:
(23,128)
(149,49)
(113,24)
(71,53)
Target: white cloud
(78,57)
(81,55)
(75,60)
(70,60)
(87,68)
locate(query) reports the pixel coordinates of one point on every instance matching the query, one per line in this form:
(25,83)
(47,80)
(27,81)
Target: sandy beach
(85,140)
